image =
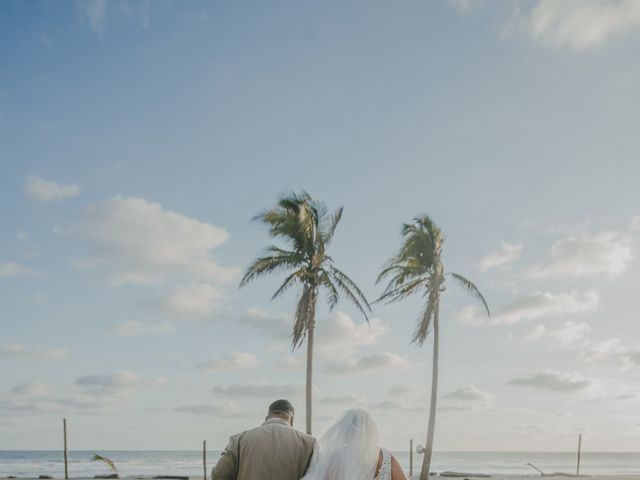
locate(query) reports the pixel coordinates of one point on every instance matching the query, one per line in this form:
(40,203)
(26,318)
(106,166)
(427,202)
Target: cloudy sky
(138,139)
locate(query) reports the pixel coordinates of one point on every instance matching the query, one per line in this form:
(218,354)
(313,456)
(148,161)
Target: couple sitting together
(349,450)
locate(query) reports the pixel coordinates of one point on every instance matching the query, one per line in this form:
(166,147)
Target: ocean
(148,463)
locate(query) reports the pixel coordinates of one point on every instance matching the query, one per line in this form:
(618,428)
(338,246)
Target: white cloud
(264,389)
(25,404)
(19,350)
(536,305)
(575,336)
(120,384)
(93,393)
(341,400)
(471,393)
(273,326)
(404,389)
(507,254)
(582,24)
(291,363)
(144,244)
(336,336)
(388,405)
(39,189)
(611,351)
(229,361)
(13,269)
(368,363)
(133,328)
(198,300)
(569,334)
(94,12)
(635,224)
(606,253)
(467,398)
(208,409)
(551,380)
(340,335)
(31,389)
(396,405)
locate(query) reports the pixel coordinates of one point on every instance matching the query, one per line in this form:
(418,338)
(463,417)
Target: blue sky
(138,139)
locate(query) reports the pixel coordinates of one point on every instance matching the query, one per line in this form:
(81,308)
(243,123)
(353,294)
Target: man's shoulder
(305,436)
(285,429)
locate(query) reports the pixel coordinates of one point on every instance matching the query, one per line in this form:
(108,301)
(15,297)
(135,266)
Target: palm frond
(423,326)
(289,282)
(332,292)
(271,263)
(330,229)
(416,261)
(304,315)
(106,461)
(395,293)
(350,290)
(471,288)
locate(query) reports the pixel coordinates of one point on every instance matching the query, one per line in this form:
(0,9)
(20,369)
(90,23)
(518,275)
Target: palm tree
(307,228)
(418,269)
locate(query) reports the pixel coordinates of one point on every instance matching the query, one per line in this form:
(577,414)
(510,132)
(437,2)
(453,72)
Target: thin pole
(579,448)
(411,458)
(66,457)
(204,458)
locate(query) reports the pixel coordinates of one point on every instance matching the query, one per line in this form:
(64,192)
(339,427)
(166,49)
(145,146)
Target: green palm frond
(351,291)
(282,260)
(417,269)
(332,292)
(304,315)
(332,224)
(403,290)
(471,288)
(289,282)
(106,461)
(412,270)
(307,226)
(423,326)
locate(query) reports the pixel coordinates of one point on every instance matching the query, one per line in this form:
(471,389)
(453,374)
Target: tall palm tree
(417,269)
(307,227)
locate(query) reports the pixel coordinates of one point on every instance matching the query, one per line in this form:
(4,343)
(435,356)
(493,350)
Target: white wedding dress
(349,451)
(385,469)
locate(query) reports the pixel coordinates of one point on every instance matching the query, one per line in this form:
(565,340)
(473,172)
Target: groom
(272,451)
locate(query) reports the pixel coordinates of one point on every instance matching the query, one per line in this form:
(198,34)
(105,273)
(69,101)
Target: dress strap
(385,468)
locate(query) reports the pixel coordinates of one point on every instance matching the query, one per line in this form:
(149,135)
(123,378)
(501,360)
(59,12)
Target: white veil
(348,450)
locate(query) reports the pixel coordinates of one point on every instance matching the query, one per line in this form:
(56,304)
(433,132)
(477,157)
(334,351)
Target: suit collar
(276,420)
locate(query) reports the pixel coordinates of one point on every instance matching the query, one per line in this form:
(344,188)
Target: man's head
(281,409)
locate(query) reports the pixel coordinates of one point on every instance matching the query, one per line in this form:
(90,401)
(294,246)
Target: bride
(349,451)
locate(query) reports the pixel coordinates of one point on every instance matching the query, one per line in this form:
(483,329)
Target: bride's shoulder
(397,472)
(389,467)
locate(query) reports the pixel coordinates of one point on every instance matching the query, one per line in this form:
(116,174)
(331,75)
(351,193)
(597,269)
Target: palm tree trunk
(428,450)
(310,332)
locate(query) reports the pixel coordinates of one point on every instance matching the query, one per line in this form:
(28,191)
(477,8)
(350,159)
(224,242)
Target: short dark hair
(281,407)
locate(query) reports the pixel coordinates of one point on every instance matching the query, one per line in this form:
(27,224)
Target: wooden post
(204,458)
(411,458)
(579,448)
(66,457)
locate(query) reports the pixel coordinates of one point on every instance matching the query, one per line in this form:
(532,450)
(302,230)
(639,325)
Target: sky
(138,140)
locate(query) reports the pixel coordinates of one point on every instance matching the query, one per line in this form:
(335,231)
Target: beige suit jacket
(272,451)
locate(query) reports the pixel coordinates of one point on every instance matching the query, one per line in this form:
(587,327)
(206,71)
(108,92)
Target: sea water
(148,463)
